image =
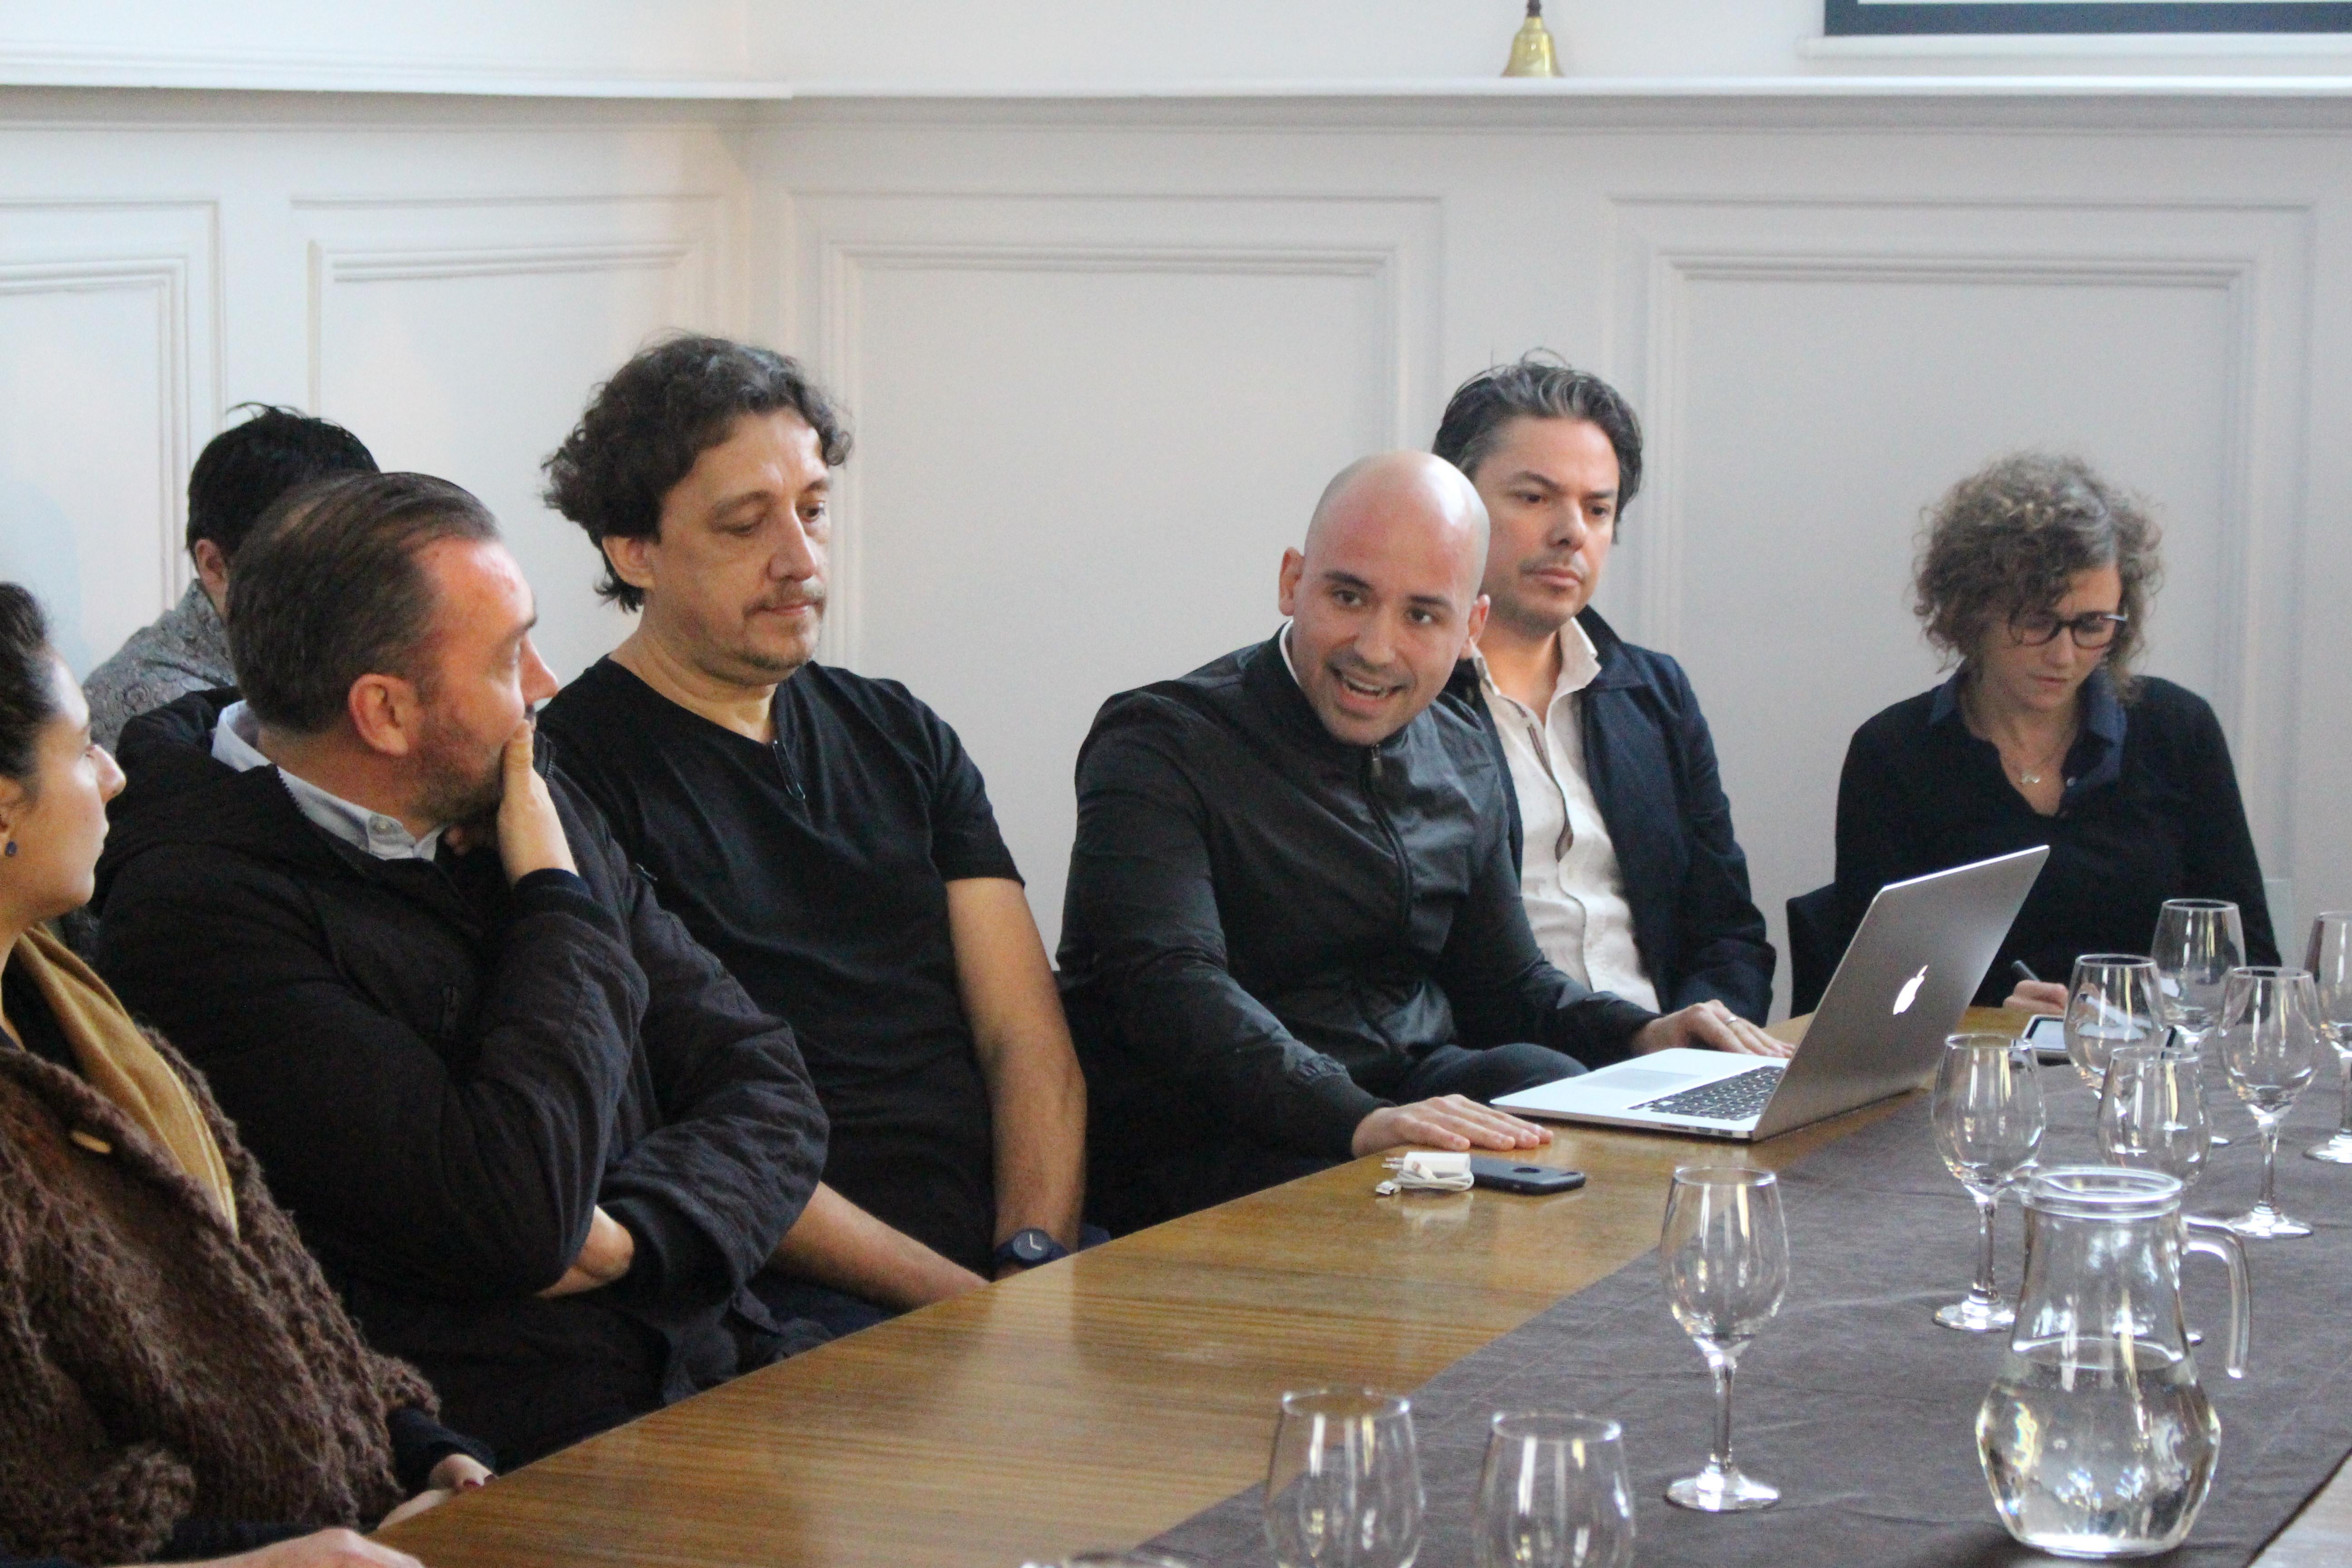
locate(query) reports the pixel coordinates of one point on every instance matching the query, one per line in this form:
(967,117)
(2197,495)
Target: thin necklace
(2030,773)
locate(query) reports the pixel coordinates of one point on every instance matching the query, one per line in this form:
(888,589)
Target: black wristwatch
(1027,1249)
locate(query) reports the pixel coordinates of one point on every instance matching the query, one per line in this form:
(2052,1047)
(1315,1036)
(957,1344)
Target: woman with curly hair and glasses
(2036,576)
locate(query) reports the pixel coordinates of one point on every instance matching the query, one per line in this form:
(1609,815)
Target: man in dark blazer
(1633,881)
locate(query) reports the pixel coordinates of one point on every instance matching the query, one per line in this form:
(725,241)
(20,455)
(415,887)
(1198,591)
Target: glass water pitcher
(2095,1439)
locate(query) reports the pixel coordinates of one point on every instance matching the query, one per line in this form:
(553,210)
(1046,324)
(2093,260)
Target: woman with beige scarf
(179,1381)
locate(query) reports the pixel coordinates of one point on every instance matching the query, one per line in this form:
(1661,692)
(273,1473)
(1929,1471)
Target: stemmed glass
(1725,1248)
(2198,941)
(1343,1485)
(2330,963)
(2269,1048)
(2113,1000)
(1554,1494)
(2152,1112)
(1989,1119)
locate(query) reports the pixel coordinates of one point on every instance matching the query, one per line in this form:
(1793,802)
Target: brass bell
(1531,51)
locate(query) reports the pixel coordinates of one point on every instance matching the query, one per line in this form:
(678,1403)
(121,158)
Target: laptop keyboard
(1734,1098)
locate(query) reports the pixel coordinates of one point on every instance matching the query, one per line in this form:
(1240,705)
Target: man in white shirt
(1633,881)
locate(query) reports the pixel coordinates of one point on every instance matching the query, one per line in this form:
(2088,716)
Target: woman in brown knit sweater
(176,1380)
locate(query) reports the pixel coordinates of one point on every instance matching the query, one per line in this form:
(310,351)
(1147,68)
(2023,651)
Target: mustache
(1568,563)
(808,594)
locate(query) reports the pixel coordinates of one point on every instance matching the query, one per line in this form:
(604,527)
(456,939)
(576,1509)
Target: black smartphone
(2047,1036)
(1510,1176)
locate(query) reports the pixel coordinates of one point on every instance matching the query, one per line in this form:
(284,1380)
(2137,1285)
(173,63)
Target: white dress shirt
(1569,877)
(236,742)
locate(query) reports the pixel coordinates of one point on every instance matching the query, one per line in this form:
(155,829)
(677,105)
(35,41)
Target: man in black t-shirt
(825,835)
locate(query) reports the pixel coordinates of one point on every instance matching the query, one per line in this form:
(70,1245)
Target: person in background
(825,835)
(239,474)
(179,1380)
(1294,933)
(538,1138)
(1633,879)
(2036,576)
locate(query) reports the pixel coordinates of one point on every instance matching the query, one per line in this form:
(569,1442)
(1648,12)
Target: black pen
(2017,967)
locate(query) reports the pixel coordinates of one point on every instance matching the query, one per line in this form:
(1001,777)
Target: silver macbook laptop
(1905,981)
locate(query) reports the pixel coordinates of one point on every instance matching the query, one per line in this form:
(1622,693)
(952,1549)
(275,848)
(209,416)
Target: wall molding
(163,248)
(844,240)
(2255,255)
(166,278)
(357,241)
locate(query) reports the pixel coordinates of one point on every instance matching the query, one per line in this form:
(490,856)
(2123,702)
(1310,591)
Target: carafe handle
(2216,1239)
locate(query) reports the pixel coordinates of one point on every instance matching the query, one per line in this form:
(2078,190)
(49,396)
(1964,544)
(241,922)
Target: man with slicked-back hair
(538,1138)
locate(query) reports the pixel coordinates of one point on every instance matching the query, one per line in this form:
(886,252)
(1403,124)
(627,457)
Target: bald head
(1383,598)
(1405,499)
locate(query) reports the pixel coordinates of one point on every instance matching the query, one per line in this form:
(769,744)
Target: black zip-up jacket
(443,1078)
(1267,926)
(1649,760)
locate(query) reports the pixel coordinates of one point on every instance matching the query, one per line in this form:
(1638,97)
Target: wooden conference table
(1101,1401)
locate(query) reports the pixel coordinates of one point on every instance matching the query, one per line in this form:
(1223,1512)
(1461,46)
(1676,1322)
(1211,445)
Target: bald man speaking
(1294,933)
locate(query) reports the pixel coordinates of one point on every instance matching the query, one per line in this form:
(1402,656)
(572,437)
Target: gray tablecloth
(1858,1407)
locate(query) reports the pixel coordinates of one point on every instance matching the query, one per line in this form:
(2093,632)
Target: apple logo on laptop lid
(1910,992)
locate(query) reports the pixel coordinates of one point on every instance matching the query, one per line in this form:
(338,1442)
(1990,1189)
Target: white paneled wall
(1100,355)
(447,283)
(1087,438)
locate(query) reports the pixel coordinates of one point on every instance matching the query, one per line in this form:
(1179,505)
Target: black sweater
(444,1077)
(2151,811)
(1266,926)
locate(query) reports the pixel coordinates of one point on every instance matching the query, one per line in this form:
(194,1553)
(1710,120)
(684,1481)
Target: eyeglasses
(2096,629)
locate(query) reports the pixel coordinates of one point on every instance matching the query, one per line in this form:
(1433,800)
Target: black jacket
(2150,812)
(443,1078)
(1651,763)
(1266,926)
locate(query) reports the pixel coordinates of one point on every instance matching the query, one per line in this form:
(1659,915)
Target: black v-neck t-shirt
(816,868)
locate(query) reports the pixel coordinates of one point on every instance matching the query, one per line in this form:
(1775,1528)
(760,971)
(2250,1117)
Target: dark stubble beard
(459,785)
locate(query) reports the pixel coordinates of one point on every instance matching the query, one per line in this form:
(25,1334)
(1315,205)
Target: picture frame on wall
(1879,18)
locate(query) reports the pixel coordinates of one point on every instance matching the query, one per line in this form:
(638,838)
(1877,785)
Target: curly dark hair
(328,588)
(1539,385)
(2009,541)
(28,699)
(643,429)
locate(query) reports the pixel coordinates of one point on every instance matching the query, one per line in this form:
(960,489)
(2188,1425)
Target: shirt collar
(2103,725)
(1579,663)
(234,744)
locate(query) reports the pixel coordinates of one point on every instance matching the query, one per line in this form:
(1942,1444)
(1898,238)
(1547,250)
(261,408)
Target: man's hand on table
(1450,1122)
(2037,996)
(1710,1027)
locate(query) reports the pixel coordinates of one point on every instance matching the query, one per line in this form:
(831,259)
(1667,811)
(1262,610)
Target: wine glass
(2330,963)
(1554,1494)
(1989,1119)
(2152,1112)
(2198,941)
(1343,1485)
(1725,1249)
(2113,1000)
(2269,1048)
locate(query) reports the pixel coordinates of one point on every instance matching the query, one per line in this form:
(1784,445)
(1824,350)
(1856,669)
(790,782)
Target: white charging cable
(1426,1172)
